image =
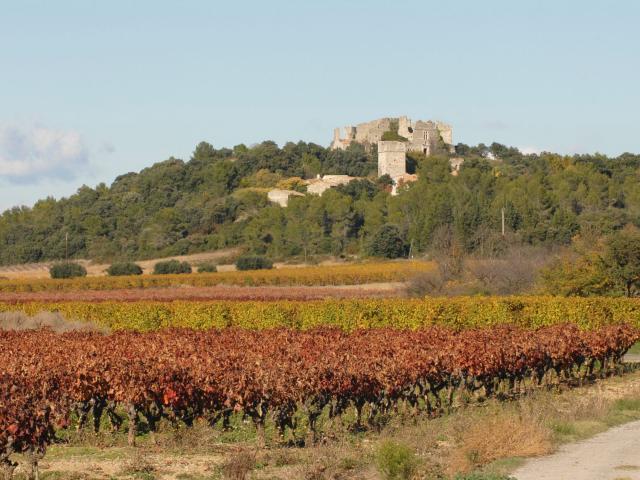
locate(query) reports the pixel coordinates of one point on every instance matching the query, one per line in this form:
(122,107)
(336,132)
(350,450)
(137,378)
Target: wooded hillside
(218,199)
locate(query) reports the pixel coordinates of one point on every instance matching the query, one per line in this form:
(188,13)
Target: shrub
(254,262)
(426,283)
(171,266)
(239,466)
(124,268)
(207,267)
(513,273)
(396,461)
(67,270)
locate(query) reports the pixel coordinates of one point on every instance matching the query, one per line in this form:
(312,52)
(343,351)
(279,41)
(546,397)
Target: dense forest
(219,199)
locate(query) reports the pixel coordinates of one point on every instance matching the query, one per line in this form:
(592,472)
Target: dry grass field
(41,270)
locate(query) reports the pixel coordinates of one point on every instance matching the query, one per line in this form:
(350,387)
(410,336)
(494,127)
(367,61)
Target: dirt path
(611,455)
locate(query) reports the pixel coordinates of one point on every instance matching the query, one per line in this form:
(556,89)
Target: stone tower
(392,158)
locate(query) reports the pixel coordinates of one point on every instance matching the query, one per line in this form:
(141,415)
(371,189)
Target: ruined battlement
(422,136)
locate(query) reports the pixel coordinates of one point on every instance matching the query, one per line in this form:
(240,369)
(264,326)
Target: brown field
(220,292)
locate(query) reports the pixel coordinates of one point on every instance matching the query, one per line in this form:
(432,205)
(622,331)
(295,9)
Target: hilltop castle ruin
(403,136)
(421,136)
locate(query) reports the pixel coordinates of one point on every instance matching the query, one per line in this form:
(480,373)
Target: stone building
(368,133)
(281,197)
(422,136)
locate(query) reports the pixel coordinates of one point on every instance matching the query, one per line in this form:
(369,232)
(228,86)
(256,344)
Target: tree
(387,242)
(176,207)
(204,152)
(581,277)
(622,259)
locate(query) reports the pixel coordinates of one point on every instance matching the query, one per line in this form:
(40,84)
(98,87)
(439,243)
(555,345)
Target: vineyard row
(280,375)
(456,312)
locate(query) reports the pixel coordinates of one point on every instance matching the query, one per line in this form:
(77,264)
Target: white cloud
(29,154)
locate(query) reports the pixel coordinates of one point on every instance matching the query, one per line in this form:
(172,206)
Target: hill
(217,199)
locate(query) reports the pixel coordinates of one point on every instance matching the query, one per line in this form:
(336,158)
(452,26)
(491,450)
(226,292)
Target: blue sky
(90,90)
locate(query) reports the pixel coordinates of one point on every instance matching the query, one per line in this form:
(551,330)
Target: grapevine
(347,314)
(183,375)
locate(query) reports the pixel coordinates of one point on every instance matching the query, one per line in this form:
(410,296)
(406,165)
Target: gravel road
(611,455)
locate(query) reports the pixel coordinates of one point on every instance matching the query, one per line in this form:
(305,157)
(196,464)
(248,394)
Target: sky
(90,90)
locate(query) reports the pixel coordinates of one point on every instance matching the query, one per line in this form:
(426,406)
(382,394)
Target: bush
(239,466)
(207,268)
(396,461)
(254,263)
(513,273)
(124,268)
(426,283)
(171,266)
(387,242)
(67,270)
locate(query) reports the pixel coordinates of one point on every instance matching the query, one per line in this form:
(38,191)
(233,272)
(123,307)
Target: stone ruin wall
(446,132)
(369,133)
(392,158)
(422,136)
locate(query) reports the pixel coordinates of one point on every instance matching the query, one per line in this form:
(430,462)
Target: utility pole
(66,247)
(503,221)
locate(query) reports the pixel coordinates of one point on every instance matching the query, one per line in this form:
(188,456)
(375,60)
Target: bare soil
(220,292)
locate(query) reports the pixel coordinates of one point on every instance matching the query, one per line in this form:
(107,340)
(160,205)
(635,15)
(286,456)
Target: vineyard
(456,312)
(300,382)
(295,370)
(350,274)
(220,292)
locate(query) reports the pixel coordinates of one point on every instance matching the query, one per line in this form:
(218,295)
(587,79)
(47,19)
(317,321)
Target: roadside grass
(635,350)
(481,442)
